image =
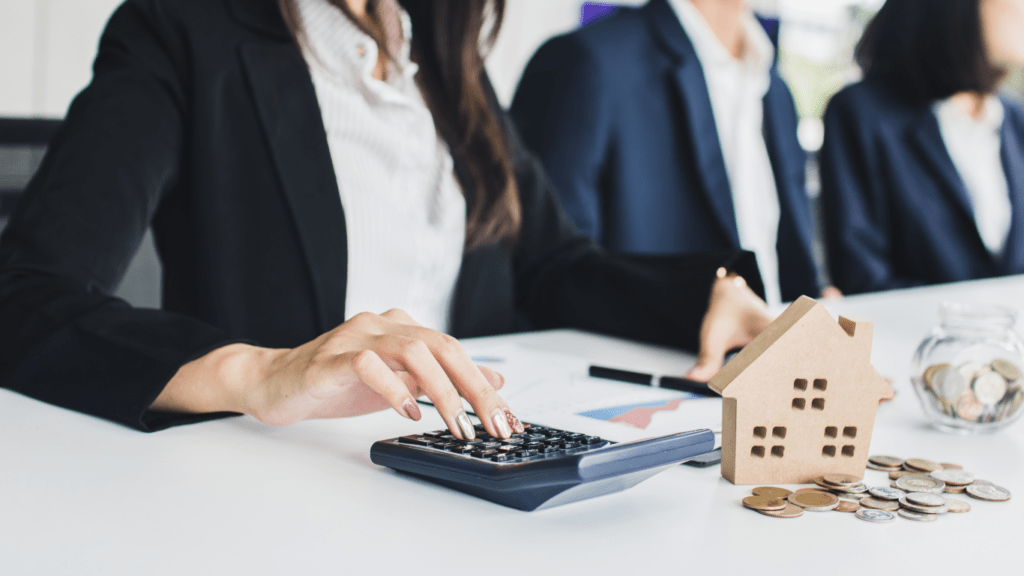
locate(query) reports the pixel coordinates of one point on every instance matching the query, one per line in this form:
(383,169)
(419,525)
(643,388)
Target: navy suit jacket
(897,213)
(619,113)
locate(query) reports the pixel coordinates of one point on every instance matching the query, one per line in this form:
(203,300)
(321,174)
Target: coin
(953,477)
(950,489)
(848,490)
(950,384)
(873,466)
(922,464)
(771,492)
(948,466)
(815,501)
(969,407)
(908,505)
(989,388)
(886,493)
(958,506)
(1006,369)
(922,499)
(897,473)
(886,461)
(764,503)
(989,492)
(790,511)
(909,515)
(880,516)
(878,504)
(920,483)
(841,479)
(847,506)
(929,373)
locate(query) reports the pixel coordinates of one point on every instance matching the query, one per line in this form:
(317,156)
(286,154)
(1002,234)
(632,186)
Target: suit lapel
(794,210)
(688,78)
(290,114)
(1013,165)
(925,136)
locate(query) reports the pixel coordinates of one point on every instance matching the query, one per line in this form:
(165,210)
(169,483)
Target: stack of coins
(917,492)
(974,392)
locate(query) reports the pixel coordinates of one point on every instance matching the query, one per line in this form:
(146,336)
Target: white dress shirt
(405,214)
(736,88)
(975,147)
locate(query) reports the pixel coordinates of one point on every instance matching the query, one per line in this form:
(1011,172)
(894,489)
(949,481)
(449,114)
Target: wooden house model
(799,401)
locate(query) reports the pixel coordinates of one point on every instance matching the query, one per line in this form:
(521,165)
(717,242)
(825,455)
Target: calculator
(541,468)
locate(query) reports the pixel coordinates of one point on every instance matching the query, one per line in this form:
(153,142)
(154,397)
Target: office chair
(23,143)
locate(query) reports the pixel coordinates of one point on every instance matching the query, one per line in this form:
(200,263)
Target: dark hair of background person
(928,50)
(446,46)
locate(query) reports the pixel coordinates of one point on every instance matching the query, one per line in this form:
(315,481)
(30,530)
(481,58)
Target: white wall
(47,47)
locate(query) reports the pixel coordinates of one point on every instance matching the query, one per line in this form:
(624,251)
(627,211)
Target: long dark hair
(927,50)
(446,44)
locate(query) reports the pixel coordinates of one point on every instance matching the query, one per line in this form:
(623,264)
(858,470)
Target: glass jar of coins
(967,373)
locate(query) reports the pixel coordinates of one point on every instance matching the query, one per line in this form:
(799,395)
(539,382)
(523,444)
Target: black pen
(670,382)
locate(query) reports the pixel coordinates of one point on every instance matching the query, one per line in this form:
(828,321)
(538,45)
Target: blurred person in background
(666,129)
(923,163)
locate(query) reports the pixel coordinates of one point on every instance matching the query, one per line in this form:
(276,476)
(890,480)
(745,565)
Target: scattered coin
(841,479)
(886,461)
(897,473)
(847,506)
(772,492)
(922,499)
(790,511)
(980,482)
(920,483)
(954,477)
(950,489)
(922,464)
(910,515)
(958,506)
(878,504)
(805,490)
(886,493)
(908,505)
(815,501)
(989,492)
(948,466)
(880,516)
(764,503)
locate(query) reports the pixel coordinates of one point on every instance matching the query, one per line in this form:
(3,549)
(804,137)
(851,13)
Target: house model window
(800,400)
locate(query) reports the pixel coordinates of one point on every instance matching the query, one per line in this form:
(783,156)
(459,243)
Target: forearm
(220,381)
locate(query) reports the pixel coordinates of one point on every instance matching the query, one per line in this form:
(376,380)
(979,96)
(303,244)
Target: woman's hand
(735,316)
(369,363)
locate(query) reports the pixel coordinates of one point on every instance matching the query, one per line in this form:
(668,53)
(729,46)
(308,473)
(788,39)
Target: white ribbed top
(404,210)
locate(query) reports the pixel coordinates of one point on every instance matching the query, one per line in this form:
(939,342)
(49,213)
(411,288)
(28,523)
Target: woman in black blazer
(909,198)
(202,121)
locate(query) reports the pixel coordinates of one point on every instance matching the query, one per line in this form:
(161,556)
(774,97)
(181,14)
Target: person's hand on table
(369,363)
(735,316)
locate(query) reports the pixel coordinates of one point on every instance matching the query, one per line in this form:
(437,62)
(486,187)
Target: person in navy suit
(923,164)
(667,130)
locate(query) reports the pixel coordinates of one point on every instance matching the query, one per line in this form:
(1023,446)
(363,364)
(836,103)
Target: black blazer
(897,213)
(202,120)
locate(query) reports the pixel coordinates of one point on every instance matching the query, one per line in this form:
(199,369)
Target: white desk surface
(80,495)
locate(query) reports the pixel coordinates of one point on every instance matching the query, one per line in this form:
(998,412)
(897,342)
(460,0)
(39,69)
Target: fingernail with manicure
(501,423)
(514,422)
(412,411)
(465,426)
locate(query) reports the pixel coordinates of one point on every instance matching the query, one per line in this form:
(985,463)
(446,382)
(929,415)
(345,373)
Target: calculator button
(525,453)
(512,441)
(458,449)
(502,457)
(508,449)
(568,444)
(417,440)
(490,445)
(548,449)
(482,453)
(593,439)
(445,445)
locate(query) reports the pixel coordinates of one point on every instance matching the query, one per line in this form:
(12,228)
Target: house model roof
(804,330)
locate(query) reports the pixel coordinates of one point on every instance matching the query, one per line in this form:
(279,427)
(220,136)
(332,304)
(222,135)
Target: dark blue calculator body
(541,468)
